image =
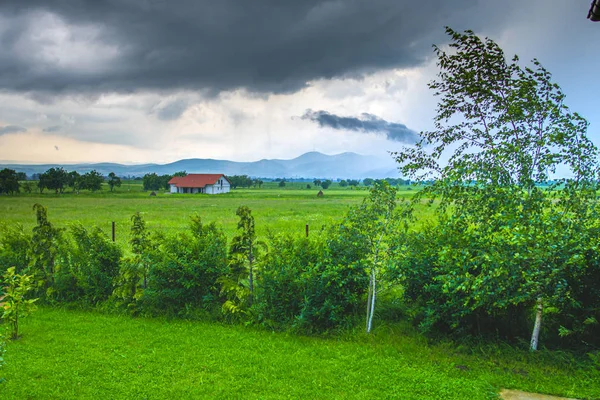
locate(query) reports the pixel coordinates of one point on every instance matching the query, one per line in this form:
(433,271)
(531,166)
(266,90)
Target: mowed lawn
(86,355)
(275,209)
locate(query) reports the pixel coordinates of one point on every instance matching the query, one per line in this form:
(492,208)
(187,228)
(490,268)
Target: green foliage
(94,263)
(45,244)
(155,182)
(13,301)
(9,181)
(91,181)
(343,183)
(242,181)
(184,270)
(368,182)
(244,249)
(371,223)
(310,284)
(326,183)
(15,247)
(113,181)
(503,242)
(74,180)
(53,179)
(282,183)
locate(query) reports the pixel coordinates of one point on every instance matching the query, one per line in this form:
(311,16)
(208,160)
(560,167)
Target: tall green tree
(74,180)
(501,130)
(113,181)
(9,182)
(372,222)
(54,179)
(92,181)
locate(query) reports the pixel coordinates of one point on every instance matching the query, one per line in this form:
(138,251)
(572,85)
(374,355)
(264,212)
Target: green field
(277,209)
(85,355)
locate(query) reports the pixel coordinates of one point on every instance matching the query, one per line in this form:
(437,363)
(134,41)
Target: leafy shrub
(485,278)
(13,301)
(94,262)
(282,282)
(15,247)
(184,271)
(302,286)
(45,244)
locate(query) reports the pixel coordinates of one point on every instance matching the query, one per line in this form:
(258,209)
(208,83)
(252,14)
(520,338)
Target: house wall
(222,186)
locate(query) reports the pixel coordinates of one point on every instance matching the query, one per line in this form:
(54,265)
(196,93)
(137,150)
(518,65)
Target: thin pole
(306,230)
(113,231)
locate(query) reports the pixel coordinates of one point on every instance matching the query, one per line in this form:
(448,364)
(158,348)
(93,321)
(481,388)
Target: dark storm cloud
(262,45)
(55,128)
(11,129)
(366,123)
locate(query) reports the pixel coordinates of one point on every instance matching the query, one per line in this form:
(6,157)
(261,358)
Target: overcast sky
(135,81)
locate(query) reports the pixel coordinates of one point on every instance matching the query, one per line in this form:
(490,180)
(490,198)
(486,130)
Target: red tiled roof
(195,180)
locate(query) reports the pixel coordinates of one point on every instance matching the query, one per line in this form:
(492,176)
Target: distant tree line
(156,182)
(244,181)
(57,179)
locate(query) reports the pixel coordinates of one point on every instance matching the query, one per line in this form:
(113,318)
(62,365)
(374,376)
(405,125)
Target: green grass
(86,355)
(276,209)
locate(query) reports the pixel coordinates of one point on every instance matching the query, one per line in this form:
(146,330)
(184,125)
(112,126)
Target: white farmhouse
(200,183)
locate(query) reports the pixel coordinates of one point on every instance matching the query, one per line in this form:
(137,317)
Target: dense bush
(93,262)
(15,247)
(486,277)
(302,284)
(183,272)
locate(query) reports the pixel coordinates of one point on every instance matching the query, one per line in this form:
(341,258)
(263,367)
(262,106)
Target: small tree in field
(13,302)
(501,130)
(113,181)
(371,223)
(245,246)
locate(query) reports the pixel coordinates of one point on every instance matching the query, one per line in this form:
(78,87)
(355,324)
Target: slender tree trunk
(251,277)
(15,333)
(369,304)
(374,290)
(535,335)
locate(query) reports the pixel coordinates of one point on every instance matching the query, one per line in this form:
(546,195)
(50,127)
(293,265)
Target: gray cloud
(366,123)
(54,128)
(263,45)
(170,110)
(12,129)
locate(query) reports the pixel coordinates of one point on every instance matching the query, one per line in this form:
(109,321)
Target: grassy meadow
(68,354)
(274,208)
(86,355)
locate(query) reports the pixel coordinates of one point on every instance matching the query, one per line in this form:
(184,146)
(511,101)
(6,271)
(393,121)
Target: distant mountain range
(308,165)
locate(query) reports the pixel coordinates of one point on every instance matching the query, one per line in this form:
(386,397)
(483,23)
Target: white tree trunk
(535,335)
(372,308)
(370,291)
